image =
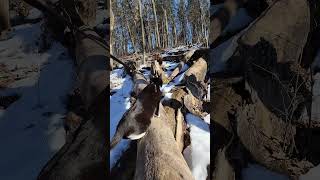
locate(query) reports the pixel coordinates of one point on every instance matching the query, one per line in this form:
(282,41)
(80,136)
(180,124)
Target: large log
(85,156)
(178,69)
(4,18)
(156,149)
(276,92)
(230,9)
(194,78)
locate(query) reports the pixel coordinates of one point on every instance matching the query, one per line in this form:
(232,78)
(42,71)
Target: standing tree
(142,31)
(156,22)
(4,17)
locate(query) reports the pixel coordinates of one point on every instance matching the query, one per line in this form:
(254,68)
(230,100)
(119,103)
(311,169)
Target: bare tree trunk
(174,32)
(156,21)
(131,36)
(111,31)
(142,31)
(167,28)
(4,16)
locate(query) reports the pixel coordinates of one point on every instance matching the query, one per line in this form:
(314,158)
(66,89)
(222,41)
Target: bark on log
(156,149)
(194,78)
(260,116)
(4,17)
(157,71)
(85,156)
(290,21)
(194,105)
(140,82)
(181,64)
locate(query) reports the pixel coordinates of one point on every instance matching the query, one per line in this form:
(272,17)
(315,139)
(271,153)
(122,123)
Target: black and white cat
(136,121)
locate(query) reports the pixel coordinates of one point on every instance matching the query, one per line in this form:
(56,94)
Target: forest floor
(37,76)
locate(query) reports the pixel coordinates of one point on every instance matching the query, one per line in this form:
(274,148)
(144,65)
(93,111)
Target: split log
(225,101)
(140,82)
(156,149)
(194,106)
(194,78)
(173,108)
(181,64)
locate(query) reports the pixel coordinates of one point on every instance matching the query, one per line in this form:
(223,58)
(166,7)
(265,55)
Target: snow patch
(200,146)
(119,104)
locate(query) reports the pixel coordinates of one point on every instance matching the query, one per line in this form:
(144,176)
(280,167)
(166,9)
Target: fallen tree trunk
(85,156)
(269,114)
(181,64)
(156,149)
(222,17)
(4,17)
(194,78)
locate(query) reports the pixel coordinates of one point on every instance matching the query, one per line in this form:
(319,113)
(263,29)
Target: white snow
(119,104)
(31,129)
(222,53)
(257,172)
(168,51)
(199,148)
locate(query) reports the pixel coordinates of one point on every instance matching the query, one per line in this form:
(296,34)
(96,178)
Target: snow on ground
(200,147)
(256,172)
(170,51)
(119,104)
(170,66)
(31,129)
